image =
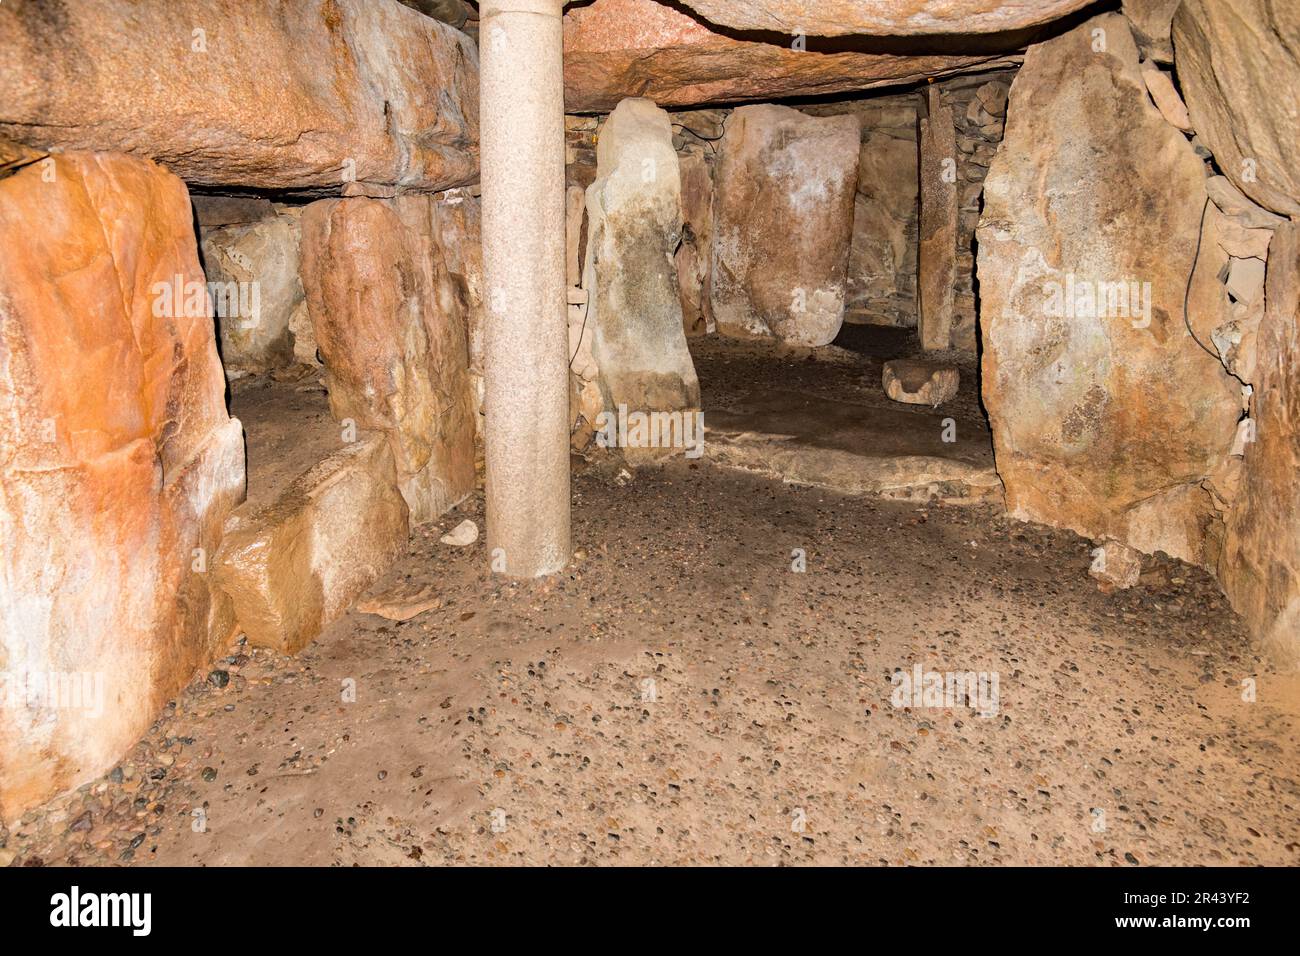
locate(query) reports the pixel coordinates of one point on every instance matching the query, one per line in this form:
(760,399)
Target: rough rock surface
(1115,566)
(1260,568)
(295,94)
(260,259)
(1068,376)
(458,221)
(783,222)
(979,110)
(936,257)
(295,565)
(393,338)
(920,382)
(1239,67)
(634,226)
(896,18)
(118,465)
(695,254)
(619,48)
(1161,87)
(882,254)
(1151,26)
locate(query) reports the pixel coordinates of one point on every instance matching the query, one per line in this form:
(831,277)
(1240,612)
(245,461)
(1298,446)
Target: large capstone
(350,95)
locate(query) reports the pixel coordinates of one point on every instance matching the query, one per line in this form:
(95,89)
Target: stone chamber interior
(931,422)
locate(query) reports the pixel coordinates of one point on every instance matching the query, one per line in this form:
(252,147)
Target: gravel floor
(684,696)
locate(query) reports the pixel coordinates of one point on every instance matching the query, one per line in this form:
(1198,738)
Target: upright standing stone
(882,257)
(526,362)
(458,216)
(118,466)
(695,252)
(783,223)
(254,268)
(634,226)
(937,262)
(1107,416)
(389,325)
(1260,567)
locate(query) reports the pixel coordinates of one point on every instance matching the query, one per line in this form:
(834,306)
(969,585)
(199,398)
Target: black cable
(585,312)
(1187,296)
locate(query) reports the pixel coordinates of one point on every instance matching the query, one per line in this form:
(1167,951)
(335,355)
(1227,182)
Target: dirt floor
(685,696)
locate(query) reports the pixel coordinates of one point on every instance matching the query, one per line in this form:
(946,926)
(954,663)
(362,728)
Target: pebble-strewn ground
(683,696)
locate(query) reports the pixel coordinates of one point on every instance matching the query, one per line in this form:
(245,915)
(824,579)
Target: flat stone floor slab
(821,417)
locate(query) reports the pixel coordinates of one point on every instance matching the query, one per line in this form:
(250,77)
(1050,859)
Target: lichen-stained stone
(252,269)
(296,94)
(1260,567)
(619,48)
(634,221)
(783,223)
(118,466)
(1107,416)
(392,333)
(295,565)
(1238,64)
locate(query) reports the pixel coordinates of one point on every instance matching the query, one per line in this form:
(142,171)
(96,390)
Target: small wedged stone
(1115,566)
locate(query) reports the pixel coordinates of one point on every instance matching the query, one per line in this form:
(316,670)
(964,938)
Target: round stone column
(526,362)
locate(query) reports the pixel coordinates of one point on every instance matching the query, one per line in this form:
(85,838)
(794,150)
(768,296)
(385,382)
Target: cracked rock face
(118,465)
(1106,414)
(783,223)
(1260,568)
